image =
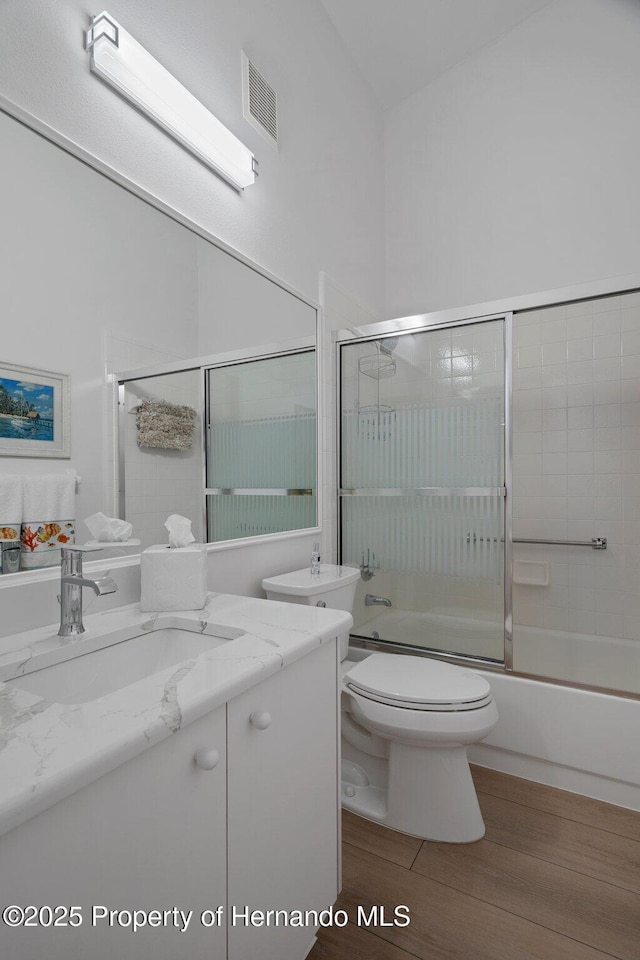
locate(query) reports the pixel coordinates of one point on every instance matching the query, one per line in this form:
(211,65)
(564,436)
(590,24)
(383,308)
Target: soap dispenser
(315,560)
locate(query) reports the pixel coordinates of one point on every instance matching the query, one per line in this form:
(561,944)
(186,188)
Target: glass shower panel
(576,492)
(261,446)
(422,487)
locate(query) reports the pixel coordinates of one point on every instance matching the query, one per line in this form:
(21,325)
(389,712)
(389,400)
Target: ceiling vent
(259,102)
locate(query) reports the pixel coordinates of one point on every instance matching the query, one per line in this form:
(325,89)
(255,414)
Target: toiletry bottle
(315,560)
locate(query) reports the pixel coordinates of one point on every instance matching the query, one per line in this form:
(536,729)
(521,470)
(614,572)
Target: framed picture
(34,412)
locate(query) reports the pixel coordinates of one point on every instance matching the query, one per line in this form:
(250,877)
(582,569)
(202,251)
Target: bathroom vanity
(203,795)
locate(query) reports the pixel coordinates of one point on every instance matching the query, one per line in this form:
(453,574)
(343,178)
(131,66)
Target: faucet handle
(71,558)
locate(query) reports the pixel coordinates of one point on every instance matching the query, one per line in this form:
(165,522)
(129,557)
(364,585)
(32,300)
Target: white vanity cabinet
(282,741)
(149,835)
(237,809)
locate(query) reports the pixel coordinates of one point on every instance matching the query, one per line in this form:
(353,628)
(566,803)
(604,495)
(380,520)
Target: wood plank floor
(557,877)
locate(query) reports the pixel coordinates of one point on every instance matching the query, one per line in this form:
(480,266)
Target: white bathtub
(577,657)
(579,740)
(606,662)
(441,628)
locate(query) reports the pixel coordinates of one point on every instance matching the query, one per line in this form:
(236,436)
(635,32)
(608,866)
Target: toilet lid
(418,682)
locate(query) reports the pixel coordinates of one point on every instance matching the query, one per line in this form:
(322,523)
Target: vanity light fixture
(122,63)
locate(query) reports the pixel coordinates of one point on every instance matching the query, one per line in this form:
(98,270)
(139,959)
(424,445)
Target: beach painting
(34,412)
(26,409)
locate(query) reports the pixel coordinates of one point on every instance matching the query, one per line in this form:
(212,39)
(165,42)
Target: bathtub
(578,657)
(580,740)
(441,629)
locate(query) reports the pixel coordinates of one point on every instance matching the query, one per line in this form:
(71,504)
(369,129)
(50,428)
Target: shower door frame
(414,325)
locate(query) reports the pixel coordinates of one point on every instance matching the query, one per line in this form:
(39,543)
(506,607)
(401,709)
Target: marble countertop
(49,750)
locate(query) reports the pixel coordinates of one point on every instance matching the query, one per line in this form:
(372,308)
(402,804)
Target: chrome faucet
(368,566)
(371,601)
(71,584)
(9,556)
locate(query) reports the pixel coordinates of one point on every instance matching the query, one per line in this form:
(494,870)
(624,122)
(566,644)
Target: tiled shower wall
(576,465)
(119,354)
(161,482)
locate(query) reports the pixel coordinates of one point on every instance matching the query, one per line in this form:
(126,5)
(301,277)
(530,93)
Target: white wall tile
(554,508)
(580,327)
(554,397)
(555,352)
(607,438)
(555,463)
(553,330)
(588,481)
(554,441)
(552,486)
(554,418)
(580,349)
(607,392)
(580,395)
(580,440)
(581,485)
(581,418)
(630,317)
(606,322)
(607,346)
(608,368)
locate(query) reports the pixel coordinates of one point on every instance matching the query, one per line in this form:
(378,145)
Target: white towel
(49,496)
(10,499)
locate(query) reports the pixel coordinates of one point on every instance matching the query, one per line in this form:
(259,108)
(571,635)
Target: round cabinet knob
(321,603)
(260,719)
(207,759)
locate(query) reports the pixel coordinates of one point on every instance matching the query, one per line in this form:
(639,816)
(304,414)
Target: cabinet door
(148,836)
(282,749)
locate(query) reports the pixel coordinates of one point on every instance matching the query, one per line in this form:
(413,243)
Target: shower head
(388,345)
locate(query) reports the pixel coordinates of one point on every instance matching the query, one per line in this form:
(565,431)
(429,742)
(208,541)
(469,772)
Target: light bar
(120,61)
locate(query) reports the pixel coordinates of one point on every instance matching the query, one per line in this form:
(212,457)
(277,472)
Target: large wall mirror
(98,280)
(230,442)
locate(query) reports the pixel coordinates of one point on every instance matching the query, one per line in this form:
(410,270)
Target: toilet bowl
(406,725)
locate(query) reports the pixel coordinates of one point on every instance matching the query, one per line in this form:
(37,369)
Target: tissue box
(173,578)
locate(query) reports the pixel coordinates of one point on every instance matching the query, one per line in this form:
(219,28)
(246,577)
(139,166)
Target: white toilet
(406,725)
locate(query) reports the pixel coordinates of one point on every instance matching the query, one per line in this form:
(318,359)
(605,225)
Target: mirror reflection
(261,447)
(97,280)
(233,447)
(161,454)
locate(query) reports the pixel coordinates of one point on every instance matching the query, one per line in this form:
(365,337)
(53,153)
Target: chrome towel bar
(596,543)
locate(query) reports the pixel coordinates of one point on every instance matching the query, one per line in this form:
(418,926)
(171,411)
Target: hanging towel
(10,506)
(48,518)
(49,495)
(166,426)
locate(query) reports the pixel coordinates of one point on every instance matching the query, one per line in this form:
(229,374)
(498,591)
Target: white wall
(516,171)
(318,201)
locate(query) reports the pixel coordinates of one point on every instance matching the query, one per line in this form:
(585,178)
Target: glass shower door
(422,489)
(261,451)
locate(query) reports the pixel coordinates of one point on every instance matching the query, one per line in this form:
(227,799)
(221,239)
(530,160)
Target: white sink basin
(96,674)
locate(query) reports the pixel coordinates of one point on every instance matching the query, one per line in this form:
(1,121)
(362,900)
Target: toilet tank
(334,587)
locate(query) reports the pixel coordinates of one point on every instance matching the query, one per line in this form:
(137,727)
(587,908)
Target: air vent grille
(260,105)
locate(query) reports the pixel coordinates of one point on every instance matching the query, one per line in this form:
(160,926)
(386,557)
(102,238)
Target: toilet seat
(417,683)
